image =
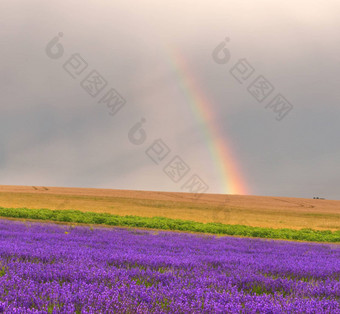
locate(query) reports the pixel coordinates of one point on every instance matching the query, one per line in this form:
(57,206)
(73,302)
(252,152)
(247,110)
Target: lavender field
(46,268)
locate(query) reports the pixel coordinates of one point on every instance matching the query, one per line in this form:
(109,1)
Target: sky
(235,97)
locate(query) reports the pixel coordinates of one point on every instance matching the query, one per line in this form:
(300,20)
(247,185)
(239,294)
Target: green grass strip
(76,216)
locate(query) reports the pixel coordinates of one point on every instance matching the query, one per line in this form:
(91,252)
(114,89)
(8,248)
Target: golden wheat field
(261,211)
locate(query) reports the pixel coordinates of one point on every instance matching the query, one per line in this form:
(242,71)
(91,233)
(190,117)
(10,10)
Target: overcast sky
(54,133)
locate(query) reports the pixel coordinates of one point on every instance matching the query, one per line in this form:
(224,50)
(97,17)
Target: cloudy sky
(56,126)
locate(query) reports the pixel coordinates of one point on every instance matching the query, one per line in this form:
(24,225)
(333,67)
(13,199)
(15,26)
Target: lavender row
(46,268)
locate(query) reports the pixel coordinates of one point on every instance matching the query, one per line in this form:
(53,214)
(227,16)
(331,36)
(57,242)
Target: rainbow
(226,166)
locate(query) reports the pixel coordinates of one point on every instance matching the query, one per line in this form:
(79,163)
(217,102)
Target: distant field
(75,217)
(258,211)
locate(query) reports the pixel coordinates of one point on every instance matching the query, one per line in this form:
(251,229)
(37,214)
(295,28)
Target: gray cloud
(54,133)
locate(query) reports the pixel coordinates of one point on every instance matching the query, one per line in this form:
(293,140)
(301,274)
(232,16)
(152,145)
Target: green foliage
(3,271)
(75,216)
